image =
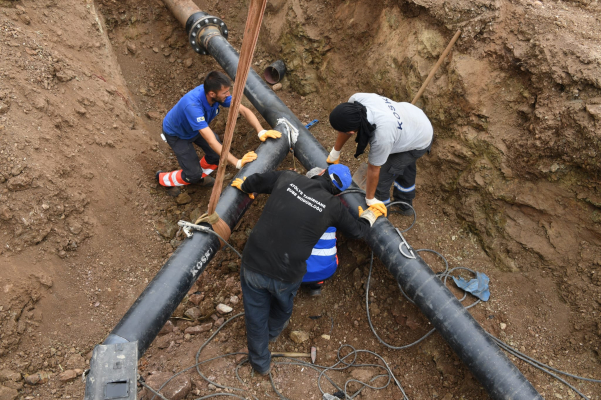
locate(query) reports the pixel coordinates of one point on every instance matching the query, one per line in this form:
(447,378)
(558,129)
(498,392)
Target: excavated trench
(314,56)
(511,189)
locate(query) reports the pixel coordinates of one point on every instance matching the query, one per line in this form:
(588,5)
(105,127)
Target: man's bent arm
(261,183)
(209,136)
(251,118)
(373,177)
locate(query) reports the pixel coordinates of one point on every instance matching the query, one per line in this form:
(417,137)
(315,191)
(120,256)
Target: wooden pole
(249,42)
(435,68)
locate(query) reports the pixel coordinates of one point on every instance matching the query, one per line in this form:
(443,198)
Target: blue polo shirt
(191,113)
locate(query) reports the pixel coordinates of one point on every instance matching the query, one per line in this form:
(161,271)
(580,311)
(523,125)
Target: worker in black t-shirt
(295,216)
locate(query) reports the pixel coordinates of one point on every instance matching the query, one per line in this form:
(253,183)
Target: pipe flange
(199,25)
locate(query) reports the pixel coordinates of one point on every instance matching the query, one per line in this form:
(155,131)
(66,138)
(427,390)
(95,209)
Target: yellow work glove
(329,161)
(237,183)
(380,207)
(248,157)
(372,213)
(263,135)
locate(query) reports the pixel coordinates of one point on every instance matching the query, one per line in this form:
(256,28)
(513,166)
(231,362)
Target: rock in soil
(193,313)
(183,198)
(8,393)
(37,378)
(177,389)
(194,330)
(67,376)
(223,309)
(299,336)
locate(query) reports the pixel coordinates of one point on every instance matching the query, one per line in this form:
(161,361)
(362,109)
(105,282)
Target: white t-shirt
(399,127)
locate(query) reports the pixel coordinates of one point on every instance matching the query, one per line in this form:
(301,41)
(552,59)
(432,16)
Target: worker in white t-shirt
(398,134)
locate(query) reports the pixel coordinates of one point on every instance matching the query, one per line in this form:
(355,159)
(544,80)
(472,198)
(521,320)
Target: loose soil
(511,188)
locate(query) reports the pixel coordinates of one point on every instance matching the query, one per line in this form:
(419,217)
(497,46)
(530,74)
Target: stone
(155,49)
(196,298)
(299,337)
(131,47)
(25,19)
(223,309)
(243,353)
(195,330)
(503,325)
(67,376)
(75,361)
(163,341)
(188,62)
(8,375)
(276,87)
(45,280)
(193,313)
(219,322)
(4,107)
(153,115)
(37,378)
(183,198)
(65,75)
(167,328)
(326,337)
(166,228)
(18,183)
(8,393)
(234,299)
(176,389)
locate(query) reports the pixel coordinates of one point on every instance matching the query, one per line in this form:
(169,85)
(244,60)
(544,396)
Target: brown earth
(511,187)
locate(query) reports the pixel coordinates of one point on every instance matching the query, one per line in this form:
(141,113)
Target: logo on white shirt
(200,119)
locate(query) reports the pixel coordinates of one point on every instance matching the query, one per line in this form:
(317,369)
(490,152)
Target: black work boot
(207,181)
(402,209)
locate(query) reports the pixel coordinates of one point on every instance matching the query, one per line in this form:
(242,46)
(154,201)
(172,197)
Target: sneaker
(207,181)
(401,209)
(315,292)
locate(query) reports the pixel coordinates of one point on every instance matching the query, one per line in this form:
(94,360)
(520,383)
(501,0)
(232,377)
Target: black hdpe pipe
(500,378)
(164,293)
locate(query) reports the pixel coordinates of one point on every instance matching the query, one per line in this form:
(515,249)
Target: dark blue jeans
(267,307)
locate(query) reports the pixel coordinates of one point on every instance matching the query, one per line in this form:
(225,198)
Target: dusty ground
(511,187)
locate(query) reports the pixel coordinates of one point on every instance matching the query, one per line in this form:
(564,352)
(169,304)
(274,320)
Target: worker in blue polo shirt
(187,123)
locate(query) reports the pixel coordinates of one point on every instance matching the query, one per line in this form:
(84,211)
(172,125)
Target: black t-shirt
(295,216)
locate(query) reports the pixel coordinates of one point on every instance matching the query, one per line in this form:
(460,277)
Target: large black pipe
(164,293)
(142,322)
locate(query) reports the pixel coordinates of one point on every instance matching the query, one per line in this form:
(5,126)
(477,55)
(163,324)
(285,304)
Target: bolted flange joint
(196,23)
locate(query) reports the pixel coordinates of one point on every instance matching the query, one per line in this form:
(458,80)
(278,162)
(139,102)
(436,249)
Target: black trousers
(192,170)
(400,169)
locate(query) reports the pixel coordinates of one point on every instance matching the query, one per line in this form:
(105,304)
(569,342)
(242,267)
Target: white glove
(371,202)
(369,216)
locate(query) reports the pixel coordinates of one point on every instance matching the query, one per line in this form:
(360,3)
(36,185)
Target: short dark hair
(216,80)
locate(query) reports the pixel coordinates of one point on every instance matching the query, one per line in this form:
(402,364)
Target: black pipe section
(487,362)
(148,314)
(164,293)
